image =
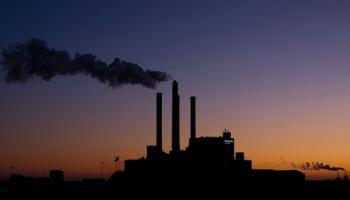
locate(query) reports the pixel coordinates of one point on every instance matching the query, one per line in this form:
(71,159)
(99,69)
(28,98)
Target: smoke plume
(316,166)
(23,61)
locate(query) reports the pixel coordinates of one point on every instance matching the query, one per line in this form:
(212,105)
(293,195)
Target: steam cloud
(316,166)
(23,61)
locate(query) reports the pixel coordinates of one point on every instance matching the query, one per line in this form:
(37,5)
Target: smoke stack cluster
(175,131)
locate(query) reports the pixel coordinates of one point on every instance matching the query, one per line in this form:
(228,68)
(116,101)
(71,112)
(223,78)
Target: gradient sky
(275,73)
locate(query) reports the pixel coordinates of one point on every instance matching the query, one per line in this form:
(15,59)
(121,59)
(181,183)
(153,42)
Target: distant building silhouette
(56,176)
(19,183)
(346,178)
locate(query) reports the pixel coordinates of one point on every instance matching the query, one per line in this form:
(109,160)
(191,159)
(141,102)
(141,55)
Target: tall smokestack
(193,117)
(159,121)
(175,119)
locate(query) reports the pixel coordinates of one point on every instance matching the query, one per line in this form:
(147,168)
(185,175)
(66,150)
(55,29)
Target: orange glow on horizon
(78,136)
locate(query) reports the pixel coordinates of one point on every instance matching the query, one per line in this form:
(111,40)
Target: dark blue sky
(261,68)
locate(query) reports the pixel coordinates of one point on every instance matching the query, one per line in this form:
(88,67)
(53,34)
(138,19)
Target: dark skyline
(276,73)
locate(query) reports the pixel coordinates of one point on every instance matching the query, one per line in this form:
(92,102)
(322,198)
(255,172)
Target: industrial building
(207,161)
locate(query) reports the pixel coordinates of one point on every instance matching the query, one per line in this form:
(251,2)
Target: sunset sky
(275,73)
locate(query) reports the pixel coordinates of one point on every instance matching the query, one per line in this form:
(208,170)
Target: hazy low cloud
(315,166)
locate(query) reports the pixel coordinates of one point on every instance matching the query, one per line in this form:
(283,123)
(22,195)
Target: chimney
(175,119)
(240,156)
(193,117)
(159,121)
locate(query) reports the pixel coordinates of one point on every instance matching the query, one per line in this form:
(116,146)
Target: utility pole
(102,164)
(116,163)
(12,170)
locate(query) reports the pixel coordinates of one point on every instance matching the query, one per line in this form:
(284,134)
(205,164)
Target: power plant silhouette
(207,161)
(208,166)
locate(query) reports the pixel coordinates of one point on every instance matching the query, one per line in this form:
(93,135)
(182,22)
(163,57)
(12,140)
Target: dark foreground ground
(218,190)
